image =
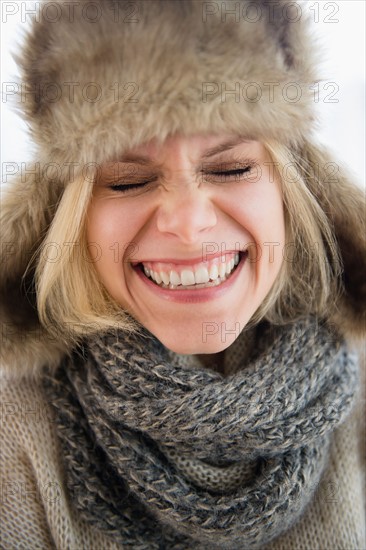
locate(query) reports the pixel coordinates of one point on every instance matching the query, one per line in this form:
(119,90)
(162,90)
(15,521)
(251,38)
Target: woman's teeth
(205,274)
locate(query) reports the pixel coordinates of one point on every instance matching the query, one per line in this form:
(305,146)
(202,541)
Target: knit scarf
(162,454)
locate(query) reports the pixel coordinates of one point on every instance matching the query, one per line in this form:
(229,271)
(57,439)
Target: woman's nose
(187,214)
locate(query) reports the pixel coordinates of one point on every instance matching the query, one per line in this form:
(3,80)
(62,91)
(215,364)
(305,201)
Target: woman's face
(191,234)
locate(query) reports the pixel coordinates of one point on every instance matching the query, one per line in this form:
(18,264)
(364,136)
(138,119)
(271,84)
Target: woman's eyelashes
(222,176)
(229,171)
(126,187)
(210,172)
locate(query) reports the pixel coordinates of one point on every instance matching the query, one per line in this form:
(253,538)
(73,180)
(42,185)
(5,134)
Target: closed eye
(216,176)
(227,175)
(126,187)
(233,173)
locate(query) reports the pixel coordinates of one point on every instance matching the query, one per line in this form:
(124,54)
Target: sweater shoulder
(22,401)
(36,510)
(335,516)
(28,480)
(27,419)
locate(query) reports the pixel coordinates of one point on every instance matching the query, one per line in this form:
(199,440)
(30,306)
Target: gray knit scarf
(163,455)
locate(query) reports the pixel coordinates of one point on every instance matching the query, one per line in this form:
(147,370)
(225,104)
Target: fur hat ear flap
(26,211)
(345,205)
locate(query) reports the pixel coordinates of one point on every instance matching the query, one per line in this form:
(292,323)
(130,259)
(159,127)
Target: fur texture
(101,81)
(173,69)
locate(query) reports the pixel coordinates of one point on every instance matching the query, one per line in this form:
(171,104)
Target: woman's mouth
(204,274)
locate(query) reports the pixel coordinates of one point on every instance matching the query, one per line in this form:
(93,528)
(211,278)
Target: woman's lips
(180,277)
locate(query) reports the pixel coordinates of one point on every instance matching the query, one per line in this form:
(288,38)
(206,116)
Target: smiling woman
(187,205)
(165,214)
(182,289)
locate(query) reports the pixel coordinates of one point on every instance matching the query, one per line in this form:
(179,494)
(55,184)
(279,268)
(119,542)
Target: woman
(182,288)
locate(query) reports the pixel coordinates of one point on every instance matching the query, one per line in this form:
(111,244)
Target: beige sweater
(36,512)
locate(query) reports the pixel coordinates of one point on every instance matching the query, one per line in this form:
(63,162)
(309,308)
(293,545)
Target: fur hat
(100,77)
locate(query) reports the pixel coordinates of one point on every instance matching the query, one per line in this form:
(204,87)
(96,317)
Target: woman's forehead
(202,146)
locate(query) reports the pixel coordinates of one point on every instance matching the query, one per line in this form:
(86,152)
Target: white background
(339,28)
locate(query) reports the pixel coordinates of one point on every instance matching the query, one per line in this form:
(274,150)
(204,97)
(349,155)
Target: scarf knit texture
(161,453)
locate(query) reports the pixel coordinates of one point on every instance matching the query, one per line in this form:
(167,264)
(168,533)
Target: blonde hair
(72,301)
(310,276)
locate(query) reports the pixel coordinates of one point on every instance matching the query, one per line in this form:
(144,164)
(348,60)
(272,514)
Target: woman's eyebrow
(140,159)
(223,147)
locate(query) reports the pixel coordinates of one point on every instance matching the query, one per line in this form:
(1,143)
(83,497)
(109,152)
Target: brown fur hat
(100,77)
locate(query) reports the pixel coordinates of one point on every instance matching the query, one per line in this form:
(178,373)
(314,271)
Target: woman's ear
(344,204)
